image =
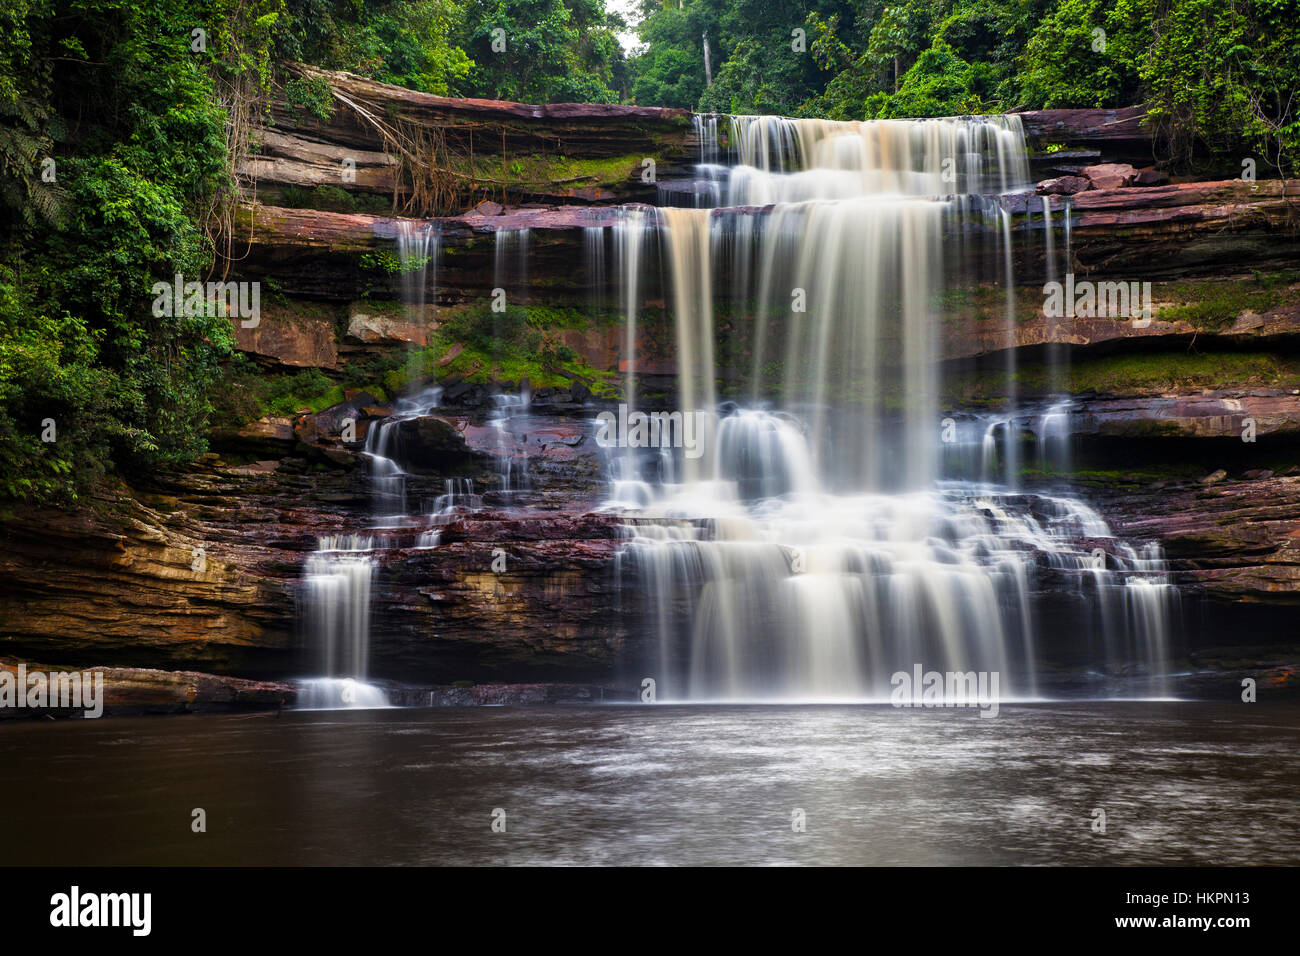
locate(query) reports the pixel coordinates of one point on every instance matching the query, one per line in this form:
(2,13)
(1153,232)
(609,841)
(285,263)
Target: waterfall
(799,160)
(1012,442)
(337,577)
(512,472)
(383,449)
(630,236)
(387,479)
(510,258)
(816,545)
(687,239)
(336,591)
(338,610)
(417,255)
(706,130)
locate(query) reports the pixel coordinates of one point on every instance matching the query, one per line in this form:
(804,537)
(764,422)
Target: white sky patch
(628,38)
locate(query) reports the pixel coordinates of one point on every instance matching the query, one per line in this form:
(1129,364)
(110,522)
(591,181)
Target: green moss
(1215,304)
(249,392)
(552,172)
(387,262)
(522,342)
(986,302)
(1138,476)
(328,199)
(1133,374)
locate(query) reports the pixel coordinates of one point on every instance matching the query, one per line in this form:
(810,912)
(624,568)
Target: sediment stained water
(1180,782)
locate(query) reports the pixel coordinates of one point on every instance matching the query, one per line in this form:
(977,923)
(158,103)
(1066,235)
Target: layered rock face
(202,569)
(434,152)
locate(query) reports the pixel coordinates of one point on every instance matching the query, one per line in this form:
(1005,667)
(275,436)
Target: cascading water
(512,473)
(336,592)
(337,578)
(382,447)
(418,245)
(813,548)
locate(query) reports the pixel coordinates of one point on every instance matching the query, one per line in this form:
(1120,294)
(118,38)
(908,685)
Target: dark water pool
(1180,783)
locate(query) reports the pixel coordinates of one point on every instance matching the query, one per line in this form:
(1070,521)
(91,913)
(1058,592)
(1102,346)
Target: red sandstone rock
(1062,186)
(1109,175)
(1104,127)
(1151,177)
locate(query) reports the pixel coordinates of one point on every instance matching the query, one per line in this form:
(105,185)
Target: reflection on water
(1181,783)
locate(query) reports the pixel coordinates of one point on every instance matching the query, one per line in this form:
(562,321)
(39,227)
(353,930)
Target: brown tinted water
(1180,783)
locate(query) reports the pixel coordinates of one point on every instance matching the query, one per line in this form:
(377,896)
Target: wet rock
(134,691)
(274,429)
(339,456)
(1233,544)
(431,443)
(1214,477)
(1103,127)
(1201,414)
(265,438)
(465,395)
(256,468)
(514,695)
(328,425)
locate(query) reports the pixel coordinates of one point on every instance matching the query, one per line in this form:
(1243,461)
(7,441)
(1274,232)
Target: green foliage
(413,43)
(148,163)
(1226,76)
(330,198)
(502,347)
(312,94)
(939,83)
(386,262)
(1080,55)
(289,394)
(541,51)
(248,391)
(546,51)
(1217,75)
(669,78)
(752,47)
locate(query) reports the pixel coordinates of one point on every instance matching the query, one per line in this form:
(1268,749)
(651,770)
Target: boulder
(329,423)
(1062,186)
(289,339)
(1110,175)
(1150,176)
(430,443)
(375,327)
